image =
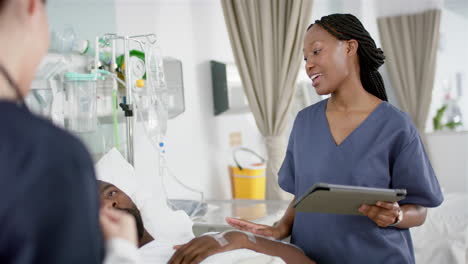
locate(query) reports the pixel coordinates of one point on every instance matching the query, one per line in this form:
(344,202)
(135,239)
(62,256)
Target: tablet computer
(344,199)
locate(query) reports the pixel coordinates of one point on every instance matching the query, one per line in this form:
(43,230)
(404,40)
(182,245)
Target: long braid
(346,27)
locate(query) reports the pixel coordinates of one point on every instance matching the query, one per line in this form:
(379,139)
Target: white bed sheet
(443,237)
(160,253)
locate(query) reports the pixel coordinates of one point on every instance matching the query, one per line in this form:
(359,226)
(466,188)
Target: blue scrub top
(49,202)
(384,151)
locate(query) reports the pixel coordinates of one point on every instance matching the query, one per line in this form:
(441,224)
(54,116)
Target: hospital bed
(168,227)
(442,239)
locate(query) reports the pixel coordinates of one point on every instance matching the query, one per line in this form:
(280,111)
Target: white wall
(452,57)
(449,152)
(194,32)
(198,142)
(99,16)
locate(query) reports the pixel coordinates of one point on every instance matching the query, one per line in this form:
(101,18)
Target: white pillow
(113,168)
(164,224)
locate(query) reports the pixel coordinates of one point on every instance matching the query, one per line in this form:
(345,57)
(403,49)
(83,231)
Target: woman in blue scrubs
(49,209)
(355,137)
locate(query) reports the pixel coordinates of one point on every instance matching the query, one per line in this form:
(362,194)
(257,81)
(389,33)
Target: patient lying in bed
(239,248)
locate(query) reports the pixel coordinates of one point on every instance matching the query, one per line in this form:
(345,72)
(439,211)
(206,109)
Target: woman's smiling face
(327,60)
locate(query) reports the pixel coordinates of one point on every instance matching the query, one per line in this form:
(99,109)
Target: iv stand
(130,121)
(127,106)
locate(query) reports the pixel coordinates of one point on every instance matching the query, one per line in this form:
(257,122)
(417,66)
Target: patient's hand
(383,213)
(118,224)
(202,247)
(257,229)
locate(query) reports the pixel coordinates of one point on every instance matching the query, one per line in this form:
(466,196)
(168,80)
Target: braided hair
(347,27)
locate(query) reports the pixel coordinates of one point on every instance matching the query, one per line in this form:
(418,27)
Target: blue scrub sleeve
(412,171)
(286,175)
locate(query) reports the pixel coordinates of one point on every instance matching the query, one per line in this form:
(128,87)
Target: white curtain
(267,37)
(410,45)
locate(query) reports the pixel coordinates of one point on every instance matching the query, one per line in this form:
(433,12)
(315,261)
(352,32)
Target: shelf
(448,133)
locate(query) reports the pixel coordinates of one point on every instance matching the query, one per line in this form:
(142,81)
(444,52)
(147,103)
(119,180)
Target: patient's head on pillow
(113,197)
(175,227)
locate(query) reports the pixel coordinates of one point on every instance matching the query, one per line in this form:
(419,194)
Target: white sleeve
(120,251)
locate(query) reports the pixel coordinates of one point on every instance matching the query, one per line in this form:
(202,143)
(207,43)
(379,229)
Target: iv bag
(157,109)
(153,106)
(156,68)
(154,119)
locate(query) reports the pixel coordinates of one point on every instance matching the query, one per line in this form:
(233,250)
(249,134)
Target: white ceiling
(458,6)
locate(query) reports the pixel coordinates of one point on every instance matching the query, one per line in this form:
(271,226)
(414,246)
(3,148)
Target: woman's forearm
(413,215)
(286,222)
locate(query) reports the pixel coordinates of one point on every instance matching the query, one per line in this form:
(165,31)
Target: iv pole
(127,106)
(129,109)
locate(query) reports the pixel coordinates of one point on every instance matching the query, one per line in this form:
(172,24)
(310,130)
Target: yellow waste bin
(248,181)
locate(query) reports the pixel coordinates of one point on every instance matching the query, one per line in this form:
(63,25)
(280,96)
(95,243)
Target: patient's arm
(288,253)
(202,247)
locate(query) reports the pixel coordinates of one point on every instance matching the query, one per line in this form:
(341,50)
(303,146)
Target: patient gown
(384,151)
(49,208)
